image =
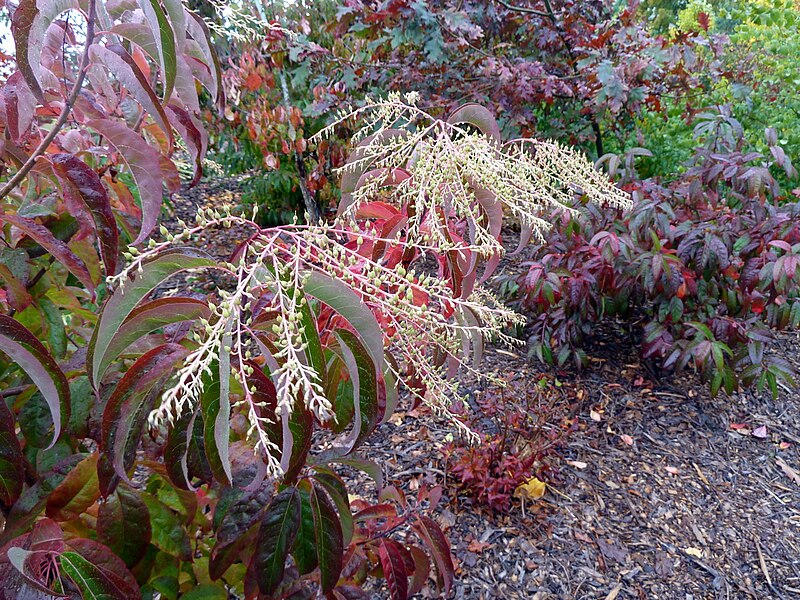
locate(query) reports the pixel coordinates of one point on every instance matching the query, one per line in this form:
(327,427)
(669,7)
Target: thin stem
(65,112)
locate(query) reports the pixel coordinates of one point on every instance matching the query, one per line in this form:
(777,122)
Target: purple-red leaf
(193,133)
(76,493)
(431,534)
(28,352)
(275,537)
(126,411)
(21,23)
(60,251)
(144,163)
(82,184)
(394,569)
(11,461)
(330,544)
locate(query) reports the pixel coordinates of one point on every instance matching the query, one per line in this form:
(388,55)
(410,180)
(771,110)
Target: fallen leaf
(672,470)
(784,446)
(761,432)
(627,439)
(595,416)
(696,552)
(790,472)
(533,489)
(577,464)
(478,546)
(736,426)
(613,551)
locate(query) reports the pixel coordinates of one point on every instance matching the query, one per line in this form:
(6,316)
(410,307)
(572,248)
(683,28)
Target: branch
(62,119)
(522,9)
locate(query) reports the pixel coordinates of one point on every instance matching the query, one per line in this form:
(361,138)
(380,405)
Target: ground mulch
(661,491)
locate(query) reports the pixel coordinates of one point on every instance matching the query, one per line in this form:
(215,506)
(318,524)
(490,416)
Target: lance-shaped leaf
(81,181)
(76,493)
(165,41)
(337,490)
(123,524)
(92,581)
(144,163)
(479,117)
(341,298)
(21,23)
(216,420)
(310,336)
(149,317)
(236,520)
(365,388)
(11,461)
(140,34)
(304,549)
(193,133)
(185,87)
(119,62)
(33,358)
(123,301)
(369,467)
(432,536)
(394,569)
(422,569)
(275,537)
(199,31)
(125,413)
(176,450)
(19,104)
(109,565)
(330,545)
(60,251)
(298,431)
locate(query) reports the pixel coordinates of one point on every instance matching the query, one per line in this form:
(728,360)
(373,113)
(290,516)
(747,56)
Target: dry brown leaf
(790,472)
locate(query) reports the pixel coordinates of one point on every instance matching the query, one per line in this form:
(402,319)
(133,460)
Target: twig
(522,9)
(763,563)
(65,111)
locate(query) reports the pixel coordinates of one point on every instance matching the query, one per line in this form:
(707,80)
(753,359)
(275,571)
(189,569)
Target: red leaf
(81,182)
(60,251)
(431,534)
(394,569)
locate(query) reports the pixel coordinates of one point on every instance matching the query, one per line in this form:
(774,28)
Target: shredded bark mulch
(661,491)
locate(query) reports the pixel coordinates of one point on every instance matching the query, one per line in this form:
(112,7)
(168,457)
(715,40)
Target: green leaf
(11,461)
(56,332)
(276,535)
(310,335)
(126,411)
(216,421)
(365,388)
(29,353)
(206,591)
(123,301)
(236,521)
(337,490)
(176,450)
(304,549)
(76,493)
(165,41)
(330,544)
(369,467)
(93,582)
(123,524)
(168,533)
(341,298)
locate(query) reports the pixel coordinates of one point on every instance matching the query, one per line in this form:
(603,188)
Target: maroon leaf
(330,544)
(60,251)
(76,493)
(176,450)
(19,104)
(107,573)
(126,411)
(33,358)
(11,461)
(394,569)
(21,24)
(193,133)
(18,296)
(431,534)
(83,184)
(276,534)
(123,524)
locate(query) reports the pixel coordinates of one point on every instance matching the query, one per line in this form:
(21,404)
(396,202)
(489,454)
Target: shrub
(196,441)
(701,269)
